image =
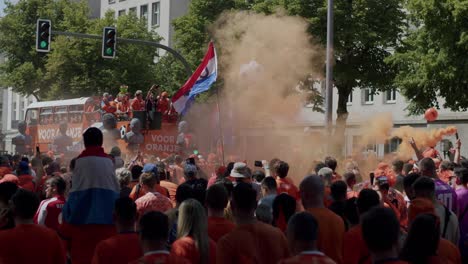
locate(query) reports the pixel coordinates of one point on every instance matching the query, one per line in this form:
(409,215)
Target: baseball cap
(10,178)
(240,170)
(150,167)
(23,166)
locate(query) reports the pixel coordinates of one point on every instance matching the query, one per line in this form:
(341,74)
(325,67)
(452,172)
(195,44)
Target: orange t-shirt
(4,171)
(448,251)
(138,105)
(185,248)
(218,227)
(252,243)
(354,247)
(119,249)
(315,257)
(157,188)
(160,257)
(330,233)
(82,240)
(31,243)
(286,185)
(172,189)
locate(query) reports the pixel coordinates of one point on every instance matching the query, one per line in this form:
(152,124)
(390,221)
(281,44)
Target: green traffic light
(43,44)
(109,51)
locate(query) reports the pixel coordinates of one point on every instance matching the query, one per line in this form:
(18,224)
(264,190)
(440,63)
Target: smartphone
(258,163)
(372,177)
(191,161)
(456,135)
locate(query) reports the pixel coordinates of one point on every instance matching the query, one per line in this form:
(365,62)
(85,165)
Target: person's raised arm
(457,152)
(416,150)
(266,167)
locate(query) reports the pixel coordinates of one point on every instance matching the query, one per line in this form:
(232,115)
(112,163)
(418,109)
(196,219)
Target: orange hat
(420,206)
(10,178)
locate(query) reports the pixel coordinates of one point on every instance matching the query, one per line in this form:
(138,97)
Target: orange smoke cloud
(423,138)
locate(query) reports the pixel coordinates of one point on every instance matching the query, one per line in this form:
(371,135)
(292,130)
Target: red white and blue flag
(200,81)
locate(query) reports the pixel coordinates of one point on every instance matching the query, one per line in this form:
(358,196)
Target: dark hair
(92,137)
(125,209)
(338,190)
(281,169)
(59,183)
(258,175)
(409,179)
(464,163)
(183,193)
(284,203)
(229,168)
(269,183)
(423,239)
(26,159)
(319,166)
(72,164)
(427,165)
(398,164)
(227,184)
(244,196)
(25,204)
(136,172)
(407,168)
(331,163)
(216,197)
(462,174)
(424,187)
(380,229)
(366,200)
(154,226)
(303,226)
(351,211)
(447,165)
(7,190)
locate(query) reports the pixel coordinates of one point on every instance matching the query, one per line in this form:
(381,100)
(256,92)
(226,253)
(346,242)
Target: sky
(2,5)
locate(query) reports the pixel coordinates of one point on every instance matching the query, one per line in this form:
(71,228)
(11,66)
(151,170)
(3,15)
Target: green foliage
(432,59)
(74,67)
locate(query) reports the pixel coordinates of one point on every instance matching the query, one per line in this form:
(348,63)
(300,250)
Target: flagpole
(220,125)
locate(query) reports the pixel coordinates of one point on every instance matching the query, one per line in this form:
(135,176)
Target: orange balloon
(431,114)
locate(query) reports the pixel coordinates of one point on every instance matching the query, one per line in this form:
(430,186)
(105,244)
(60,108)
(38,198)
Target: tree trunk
(339,138)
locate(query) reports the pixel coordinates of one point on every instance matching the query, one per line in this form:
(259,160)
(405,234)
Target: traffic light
(109,37)
(43,34)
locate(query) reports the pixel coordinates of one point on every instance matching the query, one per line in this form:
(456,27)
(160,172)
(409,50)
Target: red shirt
(185,247)
(49,212)
(218,227)
(315,257)
(26,182)
(82,240)
(30,243)
(285,185)
(160,257)
(153,201)
(119,249)
(138,104)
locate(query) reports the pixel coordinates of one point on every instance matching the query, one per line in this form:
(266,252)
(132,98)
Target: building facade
(158,14)
(363,105)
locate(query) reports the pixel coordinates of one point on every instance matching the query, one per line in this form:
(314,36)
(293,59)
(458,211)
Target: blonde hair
(193,222)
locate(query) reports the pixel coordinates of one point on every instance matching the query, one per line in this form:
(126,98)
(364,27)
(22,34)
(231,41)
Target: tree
(74,67)
(365,31)
(432,58)
(192,35)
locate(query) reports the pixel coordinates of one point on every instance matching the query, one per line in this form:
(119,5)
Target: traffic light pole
(132,41)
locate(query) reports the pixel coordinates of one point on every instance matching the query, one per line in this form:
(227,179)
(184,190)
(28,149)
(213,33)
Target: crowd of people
(123,105)
(102,209)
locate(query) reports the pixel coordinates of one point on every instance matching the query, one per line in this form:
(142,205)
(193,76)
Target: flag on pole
(200,81)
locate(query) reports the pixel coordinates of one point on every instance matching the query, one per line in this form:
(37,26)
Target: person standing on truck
(63,141)
(138,104)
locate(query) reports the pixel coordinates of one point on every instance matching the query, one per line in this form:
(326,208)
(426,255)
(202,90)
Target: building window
(350,99)
(132,11)
(111,1)
(144,12)
(122,12)
(368,96)
(392,145)
(390,96)
(13,113)
(155,11)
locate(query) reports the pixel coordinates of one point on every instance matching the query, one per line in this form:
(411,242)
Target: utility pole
(329,74)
